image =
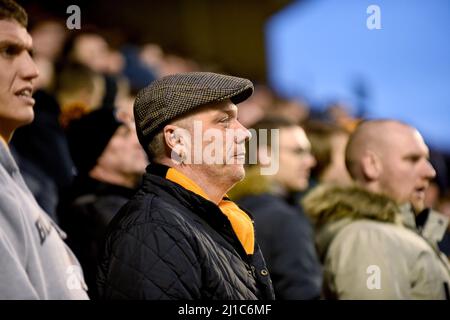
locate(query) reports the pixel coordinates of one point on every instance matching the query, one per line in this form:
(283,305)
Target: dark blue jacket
(287,242)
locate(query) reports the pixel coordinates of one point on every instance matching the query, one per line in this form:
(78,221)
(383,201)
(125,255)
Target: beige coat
(368,253)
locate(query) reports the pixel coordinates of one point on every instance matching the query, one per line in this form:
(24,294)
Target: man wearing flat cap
(180,237)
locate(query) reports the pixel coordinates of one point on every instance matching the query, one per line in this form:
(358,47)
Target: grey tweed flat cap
(172,96)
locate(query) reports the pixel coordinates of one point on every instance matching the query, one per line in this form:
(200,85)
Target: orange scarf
(240,221)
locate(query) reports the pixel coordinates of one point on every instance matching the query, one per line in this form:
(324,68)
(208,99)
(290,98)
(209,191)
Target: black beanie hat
(89,136)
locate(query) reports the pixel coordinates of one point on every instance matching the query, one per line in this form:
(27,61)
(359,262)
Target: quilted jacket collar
(205,210)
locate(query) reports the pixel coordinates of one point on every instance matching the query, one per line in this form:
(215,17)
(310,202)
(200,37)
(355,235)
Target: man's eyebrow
(15,44)
(416,155)
(229,110)
(303,148)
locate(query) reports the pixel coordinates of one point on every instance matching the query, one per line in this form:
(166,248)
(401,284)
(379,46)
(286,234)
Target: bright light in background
(323,50)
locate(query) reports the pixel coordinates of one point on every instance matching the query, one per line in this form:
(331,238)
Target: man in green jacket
(367,235)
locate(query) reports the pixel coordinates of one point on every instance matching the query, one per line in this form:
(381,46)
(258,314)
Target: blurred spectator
(443,207)
(79,91)
(339,113)
(88,48)
(328,142)
(255,108)
(282,229)
(369,237)
(444,204)
(138,73)
(48,40)
(432,194)
(438,160)
(295,110)
(115,62)
(152,56)
(110,162)
(437,195)
(48,37)
(174,63)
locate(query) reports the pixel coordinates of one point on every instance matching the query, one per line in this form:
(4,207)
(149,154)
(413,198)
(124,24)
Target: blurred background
(309,59)
(319,50)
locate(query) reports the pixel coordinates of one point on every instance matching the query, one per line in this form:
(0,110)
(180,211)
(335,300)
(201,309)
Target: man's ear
(172,136)
(178,142)
(371,165)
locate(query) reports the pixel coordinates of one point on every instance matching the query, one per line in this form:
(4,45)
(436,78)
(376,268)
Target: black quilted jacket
(169,243)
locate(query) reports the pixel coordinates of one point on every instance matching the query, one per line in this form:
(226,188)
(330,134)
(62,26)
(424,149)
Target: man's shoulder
(12,201)
(371,231)
(266,204)
(367,226)
(150,209)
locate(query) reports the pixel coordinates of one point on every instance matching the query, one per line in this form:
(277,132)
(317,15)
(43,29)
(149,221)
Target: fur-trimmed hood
(331,208)
(327,203)
(253,184)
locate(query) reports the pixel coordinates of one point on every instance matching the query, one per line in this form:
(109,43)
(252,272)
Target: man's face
(336,172)
(17,72)
(123,154)
(48,38)
(93,51)
(222,142)
(406,171)
(296,159)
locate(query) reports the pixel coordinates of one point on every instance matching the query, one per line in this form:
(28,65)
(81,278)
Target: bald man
(391,158)
(367,235)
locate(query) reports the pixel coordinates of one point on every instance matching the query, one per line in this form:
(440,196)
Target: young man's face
(295,161)
(336,172)
(17,72)
(93,51)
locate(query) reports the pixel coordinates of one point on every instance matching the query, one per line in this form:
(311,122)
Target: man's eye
(9,51)
(413,159)
(224,120)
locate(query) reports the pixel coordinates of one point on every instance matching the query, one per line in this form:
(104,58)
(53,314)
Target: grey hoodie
(368,250)
(35,263)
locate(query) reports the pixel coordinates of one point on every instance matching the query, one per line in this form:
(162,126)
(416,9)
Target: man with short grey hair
(180,237)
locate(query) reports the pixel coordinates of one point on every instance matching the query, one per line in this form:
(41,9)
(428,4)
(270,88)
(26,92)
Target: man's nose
(311,160)
(29,69)
(428,170)
(242,133)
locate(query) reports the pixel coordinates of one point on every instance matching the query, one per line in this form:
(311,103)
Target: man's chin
(21,121)
(238,172)
(418,206)
(301,185)
(26,119)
